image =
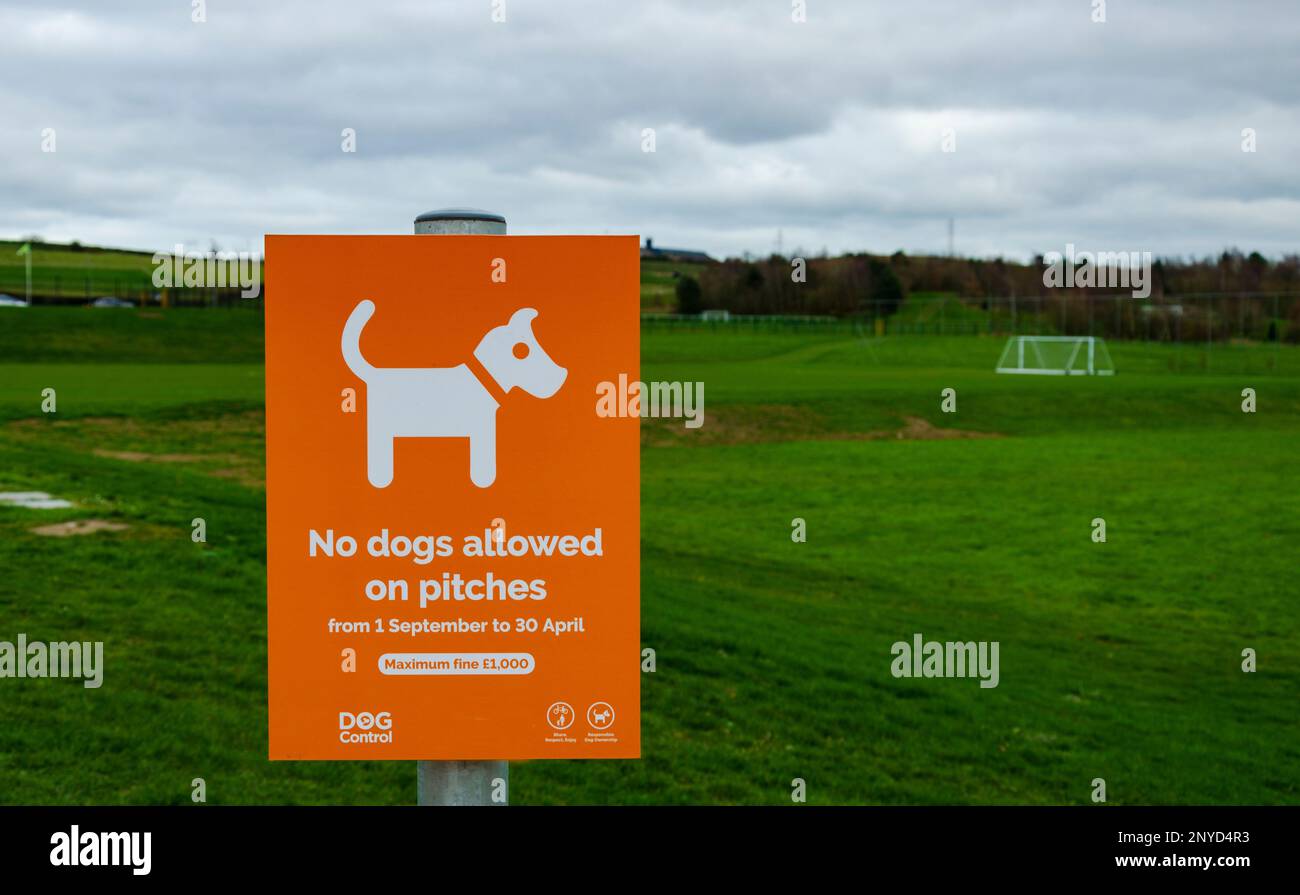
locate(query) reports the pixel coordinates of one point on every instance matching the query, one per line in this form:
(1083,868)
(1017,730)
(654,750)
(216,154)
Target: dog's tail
(352,338)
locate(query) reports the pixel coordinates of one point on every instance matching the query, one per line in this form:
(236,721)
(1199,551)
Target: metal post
(460,782)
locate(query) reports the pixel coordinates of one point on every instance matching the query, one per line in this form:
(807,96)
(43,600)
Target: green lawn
(659,283)
(1118,660)
(80,273)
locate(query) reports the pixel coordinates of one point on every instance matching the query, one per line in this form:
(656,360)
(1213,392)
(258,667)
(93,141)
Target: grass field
(70,272)
(1118,660)
(659,283)
(79,273)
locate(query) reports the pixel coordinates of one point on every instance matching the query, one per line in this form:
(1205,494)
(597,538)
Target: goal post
(1056,356)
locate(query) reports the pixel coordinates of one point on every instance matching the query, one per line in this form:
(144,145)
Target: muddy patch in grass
(235,467)
(228,445)
(760,423)
(250,476)
(78,527)
(917,429)
(143,457)
(740,424)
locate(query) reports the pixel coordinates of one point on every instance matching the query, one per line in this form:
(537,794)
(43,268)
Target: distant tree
(1252,276)
(689,298)
(886,291)
(1158,277)
(1288,272)
(850,283)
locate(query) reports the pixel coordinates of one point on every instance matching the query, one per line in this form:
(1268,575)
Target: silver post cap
(462,221)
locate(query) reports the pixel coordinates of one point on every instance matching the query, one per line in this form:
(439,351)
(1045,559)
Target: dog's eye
(520,350)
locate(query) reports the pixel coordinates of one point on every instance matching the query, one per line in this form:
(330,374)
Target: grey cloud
(1123,134)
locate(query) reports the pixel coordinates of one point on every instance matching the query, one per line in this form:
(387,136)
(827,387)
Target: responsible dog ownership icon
(600,715)
(452,530)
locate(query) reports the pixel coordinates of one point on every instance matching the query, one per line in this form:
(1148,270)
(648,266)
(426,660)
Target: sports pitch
(1119,660)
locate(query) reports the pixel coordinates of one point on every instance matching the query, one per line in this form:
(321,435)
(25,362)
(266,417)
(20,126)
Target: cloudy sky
(1122,135)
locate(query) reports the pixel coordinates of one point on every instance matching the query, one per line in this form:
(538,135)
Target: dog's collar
(485,378)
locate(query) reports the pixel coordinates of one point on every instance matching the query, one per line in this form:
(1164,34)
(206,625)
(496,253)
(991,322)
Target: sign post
(460,782)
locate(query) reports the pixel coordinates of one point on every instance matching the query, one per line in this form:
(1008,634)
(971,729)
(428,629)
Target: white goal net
(1056,356)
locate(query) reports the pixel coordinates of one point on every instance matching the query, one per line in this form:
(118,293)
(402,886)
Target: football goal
(1056,356)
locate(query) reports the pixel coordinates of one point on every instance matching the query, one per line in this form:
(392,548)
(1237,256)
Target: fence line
(137,288)
(1205,317)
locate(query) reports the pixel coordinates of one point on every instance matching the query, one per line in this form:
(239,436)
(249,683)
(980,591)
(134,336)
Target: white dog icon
(448,402)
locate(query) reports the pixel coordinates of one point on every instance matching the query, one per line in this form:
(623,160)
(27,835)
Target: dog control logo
(449,402)
(365,727)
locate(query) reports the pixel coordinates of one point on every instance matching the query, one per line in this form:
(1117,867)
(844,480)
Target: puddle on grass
(34,500)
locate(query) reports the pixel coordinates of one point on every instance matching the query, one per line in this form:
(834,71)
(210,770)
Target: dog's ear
(522,317)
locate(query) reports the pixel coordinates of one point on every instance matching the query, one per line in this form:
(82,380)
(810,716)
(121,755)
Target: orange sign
(453,531)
